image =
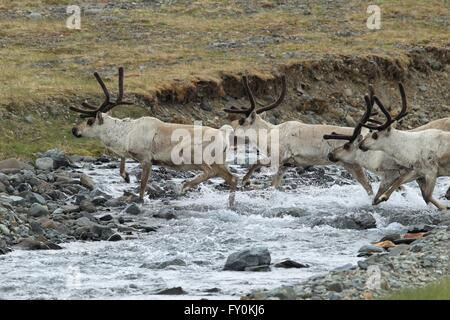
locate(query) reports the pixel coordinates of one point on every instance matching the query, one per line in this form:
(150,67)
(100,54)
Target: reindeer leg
(387,188)
(223,172)
(358,173)
(146,169)
(207,174)
(123,172)
(246,180)
(427,185)
(278,177)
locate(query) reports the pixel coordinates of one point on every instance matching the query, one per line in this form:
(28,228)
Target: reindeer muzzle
(75,132)
(362,148)
(332,158)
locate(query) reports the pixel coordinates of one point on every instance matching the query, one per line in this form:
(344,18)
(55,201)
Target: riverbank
(79,205)
(413,263)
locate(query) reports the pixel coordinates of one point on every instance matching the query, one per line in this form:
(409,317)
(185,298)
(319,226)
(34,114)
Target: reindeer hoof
(139,200)
(378,200)
(184,189)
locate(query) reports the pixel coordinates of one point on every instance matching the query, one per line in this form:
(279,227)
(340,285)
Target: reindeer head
(379,135)
(94,115)
(252,117)
(347,152)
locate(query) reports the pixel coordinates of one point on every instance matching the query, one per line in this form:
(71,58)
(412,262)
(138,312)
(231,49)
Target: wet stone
(263,268)
(133,209)
(172,291)
(115,237)
(164,264)
(290,264)
(247,258)
(106,217)
(369,250)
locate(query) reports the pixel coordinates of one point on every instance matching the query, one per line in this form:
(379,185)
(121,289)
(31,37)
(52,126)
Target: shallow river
(203,235)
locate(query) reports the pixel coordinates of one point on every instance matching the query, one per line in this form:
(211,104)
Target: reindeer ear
(99,118)
(252,117)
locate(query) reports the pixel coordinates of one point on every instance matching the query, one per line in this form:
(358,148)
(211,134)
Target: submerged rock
(164,264)
(33,244)
(172,291)
(133,209)
(290,264)
(115,237)
(360,221)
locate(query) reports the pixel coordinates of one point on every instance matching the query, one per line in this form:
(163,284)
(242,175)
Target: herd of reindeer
(396,156)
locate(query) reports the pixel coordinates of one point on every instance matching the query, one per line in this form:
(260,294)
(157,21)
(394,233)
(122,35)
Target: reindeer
(299,143)
(378,162)
(425,153)
(149,141)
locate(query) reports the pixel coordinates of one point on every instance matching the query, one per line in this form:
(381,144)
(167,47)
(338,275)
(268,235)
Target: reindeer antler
(389,119)
(359,125)
(107,105)
(253,101)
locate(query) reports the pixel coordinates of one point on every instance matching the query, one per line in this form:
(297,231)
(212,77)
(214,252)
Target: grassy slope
(45,66)
(437,291)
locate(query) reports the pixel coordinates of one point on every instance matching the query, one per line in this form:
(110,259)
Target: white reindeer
(150,141)
(378,162)
(426,153)
(299,143)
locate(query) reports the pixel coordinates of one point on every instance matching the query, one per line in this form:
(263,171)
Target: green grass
(436,291)
(168,48)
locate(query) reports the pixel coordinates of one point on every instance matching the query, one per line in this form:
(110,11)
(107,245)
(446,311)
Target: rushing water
(203,235)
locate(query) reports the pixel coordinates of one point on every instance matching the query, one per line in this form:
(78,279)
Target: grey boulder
(248,258)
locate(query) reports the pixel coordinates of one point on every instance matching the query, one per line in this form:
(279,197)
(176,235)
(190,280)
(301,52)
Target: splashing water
(204,234)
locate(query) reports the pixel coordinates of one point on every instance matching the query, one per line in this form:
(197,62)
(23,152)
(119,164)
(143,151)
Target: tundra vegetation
(171,49)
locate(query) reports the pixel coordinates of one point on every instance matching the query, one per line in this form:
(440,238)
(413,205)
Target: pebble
(133,209)
(38,210)
(45,164)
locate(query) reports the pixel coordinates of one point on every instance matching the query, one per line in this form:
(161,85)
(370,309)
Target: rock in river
(290,264)
(87,182)
(133,209)
(247,258)
(172,291)
(164,264)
